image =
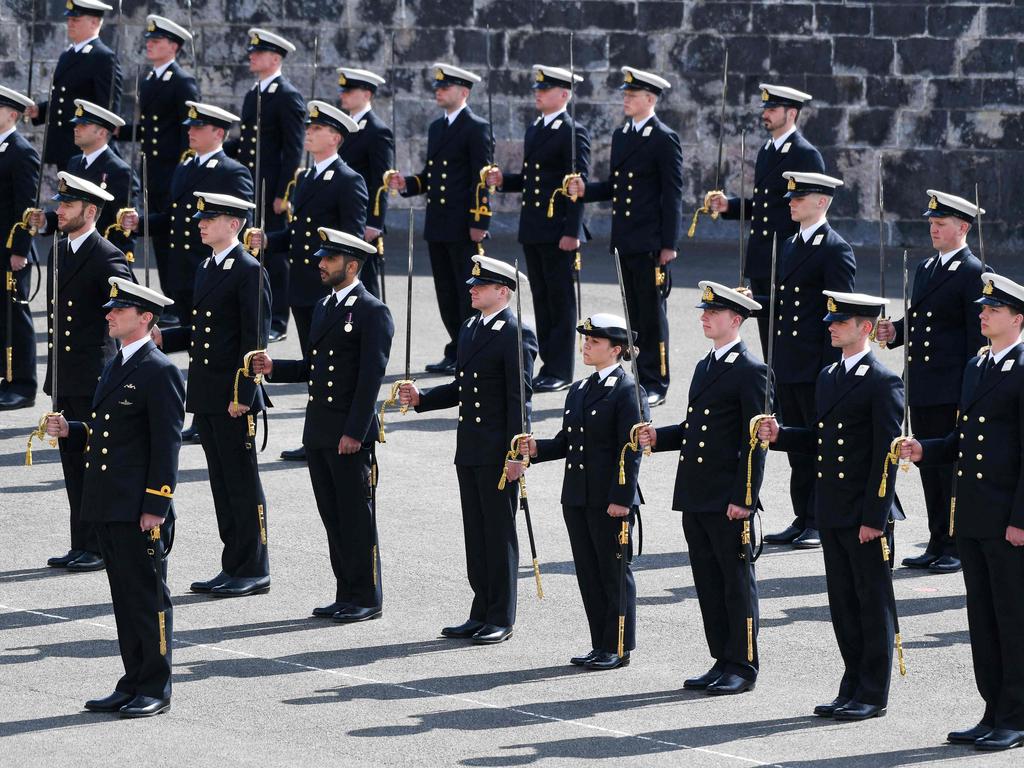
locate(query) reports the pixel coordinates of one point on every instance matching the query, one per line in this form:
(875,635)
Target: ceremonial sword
(706,206)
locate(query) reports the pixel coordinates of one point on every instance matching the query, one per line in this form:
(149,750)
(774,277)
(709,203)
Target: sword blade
(519,351)
(721,120)
(257,178)
(629,333)
(906,350)
(408,295)
(572,107)
(881,230)
(46,139)
(136,117)
(259,283)
(145,217)
(769,353)
(117,59)
(56,322)
(981,239)
(743,203)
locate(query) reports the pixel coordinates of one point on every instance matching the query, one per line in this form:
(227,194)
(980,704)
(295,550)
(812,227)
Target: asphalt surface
(257,681)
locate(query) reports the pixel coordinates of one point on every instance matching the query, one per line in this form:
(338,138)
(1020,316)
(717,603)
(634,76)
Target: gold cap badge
(201,205)
(314,112)
(151,27)
(933,203)
(540,76)
(70,5)
(193,114)
(62,186)
(254,40)
(439,74)
(629,76)
(341,79)
(988,289)
(476,269)
(113,291)
(791,185)
(764,95)
(79,111)
(831,304)
(709,295)
(587,325)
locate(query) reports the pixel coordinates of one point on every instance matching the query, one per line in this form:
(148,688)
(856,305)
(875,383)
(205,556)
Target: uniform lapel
(942,274)
(198,173)
(214,274)
(70,264)
(718,369)
(631,142)
(799,251)
(111,382)
(448,133)
(599,391)
(486,333)
(541,133)
(770,159)
(837,392)
(331,315)
(1002,371)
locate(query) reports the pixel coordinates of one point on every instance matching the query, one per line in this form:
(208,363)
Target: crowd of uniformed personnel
(243,236)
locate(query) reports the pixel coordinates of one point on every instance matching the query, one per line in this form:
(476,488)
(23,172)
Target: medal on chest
(348,323)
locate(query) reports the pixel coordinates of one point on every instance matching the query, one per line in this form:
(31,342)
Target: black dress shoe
(205,586)
(1000,739)
(190,435)
(854,710)
(551,384)
(786,536)
(295,454)
(729,684)
(145,706)
(87,561)
(111,703)
(945,564)
(654,399)
(12,401)
(489,634)
(607,660)
(326,611)
(809,539)
(702,682)
(969,736)
(446,365)
(827,710)
(921,561)
(275,336)
(465,630)
(350,614)
(242,586)
(63,560)
(579,661)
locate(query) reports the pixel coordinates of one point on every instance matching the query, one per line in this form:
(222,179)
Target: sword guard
(247,240)
(392,399)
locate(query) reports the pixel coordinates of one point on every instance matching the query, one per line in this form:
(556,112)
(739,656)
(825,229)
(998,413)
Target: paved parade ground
(257,681)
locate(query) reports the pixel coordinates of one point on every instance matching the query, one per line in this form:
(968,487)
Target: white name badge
(647,131)
(862,369)
(498,325)
(350,301)
(1007,365)
(731,357)
(610,381)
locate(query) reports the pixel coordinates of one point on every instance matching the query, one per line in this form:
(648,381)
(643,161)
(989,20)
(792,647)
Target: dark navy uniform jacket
(218,174)
(645,187)
(282,117)
(335,199)
(714,440)
(349,346)
(455,156)
(223,329)
(83,343)
(945,329)
(803,345)
(596,424)
(132,440)
(83,75)
(768,209)
(370,152)
(988,448)
(19,174)
(486,389)
(857,419)
(547,158)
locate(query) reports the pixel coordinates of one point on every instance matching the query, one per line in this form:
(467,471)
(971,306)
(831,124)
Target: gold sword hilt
(392,399)
(247,239)
(39,433)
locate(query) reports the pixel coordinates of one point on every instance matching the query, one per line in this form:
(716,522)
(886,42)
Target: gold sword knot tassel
(511,455)
(392,399)
(705,208)
(755,424)
(893,458)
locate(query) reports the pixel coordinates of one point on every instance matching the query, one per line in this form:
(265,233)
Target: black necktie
(118,361)
(840,372)
(990,363)
(712,359)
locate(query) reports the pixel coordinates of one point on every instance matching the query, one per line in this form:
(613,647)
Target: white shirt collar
(638,125)
(219,257)
(452,117)
(322,165)
(6,134)
(77,242)
(201,159)
(158,72)
(341,294)
(945,257)
(488,318)
(268,80)
(549,119)
(721,351)
(604,373)
(131,349)
(360,115)
(997,357)
(808,233)
(852,360)
(91,157)
(79,46)
(782,139)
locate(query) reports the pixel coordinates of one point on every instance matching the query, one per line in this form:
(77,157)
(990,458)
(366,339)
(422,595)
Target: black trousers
(372,274)
(762,286)
(796,409)
(133,591)
(726,589)
(303,321)
(594,537)
(648,313)
(551,270)
(937,481)
(861,606)
(278,273)
(492,546)
(22,336)
(993,573)
(83,533)
(450,264)
(238,498)
(341,486)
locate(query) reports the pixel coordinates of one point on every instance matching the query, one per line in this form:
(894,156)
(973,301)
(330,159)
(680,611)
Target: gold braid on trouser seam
(899,638)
